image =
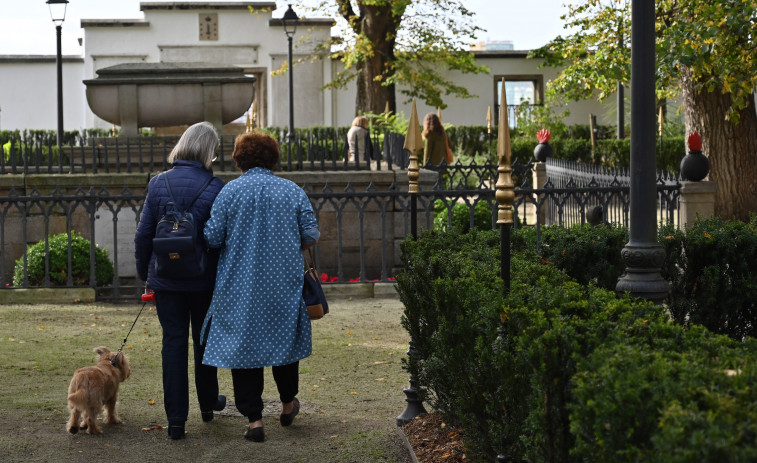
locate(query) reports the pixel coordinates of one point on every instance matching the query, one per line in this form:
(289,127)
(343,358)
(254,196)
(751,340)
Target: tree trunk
(379,26)
(731,148)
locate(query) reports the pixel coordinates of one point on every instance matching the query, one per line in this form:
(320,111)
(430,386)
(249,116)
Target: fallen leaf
(376,338)
(11,339)
(382,362)
(353,393)
(380,379)
(42,327)
(147,429)
(129,347)
(335,436)
(350,333)
(151,402)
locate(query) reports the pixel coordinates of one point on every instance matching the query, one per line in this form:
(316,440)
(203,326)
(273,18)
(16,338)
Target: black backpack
(178,246)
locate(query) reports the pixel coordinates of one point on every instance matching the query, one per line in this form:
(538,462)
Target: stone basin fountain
(137,95)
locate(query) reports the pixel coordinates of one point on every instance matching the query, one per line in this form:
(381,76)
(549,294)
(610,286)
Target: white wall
(29,93)
(252,41)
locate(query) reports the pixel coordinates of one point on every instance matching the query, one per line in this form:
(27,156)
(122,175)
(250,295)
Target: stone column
(539,180)
(697,201)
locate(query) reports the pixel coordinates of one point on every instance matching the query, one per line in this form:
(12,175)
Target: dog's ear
(102,351)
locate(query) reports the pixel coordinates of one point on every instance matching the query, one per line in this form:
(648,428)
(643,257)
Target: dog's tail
(78,397)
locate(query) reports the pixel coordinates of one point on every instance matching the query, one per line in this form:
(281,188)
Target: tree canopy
(706,54)
(715,40)
(405,44)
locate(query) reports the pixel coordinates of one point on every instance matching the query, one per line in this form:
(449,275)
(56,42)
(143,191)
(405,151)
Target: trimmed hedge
(712,268)
(558,371)
(58,262)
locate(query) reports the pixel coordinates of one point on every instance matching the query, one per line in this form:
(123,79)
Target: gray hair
(198,143)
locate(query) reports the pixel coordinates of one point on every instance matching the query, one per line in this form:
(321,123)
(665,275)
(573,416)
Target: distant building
(246,35)
(493,45)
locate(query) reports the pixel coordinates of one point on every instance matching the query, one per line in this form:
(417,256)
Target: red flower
(333,279)
(543,136)
(695,141)
(355,280)
(324,278)
(391,279)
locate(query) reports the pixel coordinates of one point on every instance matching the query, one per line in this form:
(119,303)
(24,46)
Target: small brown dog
(95,387)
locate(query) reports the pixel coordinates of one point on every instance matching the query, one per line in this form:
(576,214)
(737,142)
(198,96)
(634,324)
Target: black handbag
(312,291)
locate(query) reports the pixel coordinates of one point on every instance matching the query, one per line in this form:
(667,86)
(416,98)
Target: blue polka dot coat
(257,317)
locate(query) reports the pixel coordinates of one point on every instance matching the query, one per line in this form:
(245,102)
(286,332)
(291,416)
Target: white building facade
(244,34)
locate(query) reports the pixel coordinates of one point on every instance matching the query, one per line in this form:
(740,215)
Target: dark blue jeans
(175,311)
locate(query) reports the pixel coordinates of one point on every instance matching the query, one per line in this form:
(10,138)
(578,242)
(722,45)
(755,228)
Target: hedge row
(712,267)
(558,371)
(473,141)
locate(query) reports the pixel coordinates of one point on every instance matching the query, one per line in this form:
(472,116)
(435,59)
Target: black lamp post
(58,15)
(289,21)
(642,255)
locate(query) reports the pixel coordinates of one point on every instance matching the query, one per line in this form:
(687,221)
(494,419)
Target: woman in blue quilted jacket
(182,302)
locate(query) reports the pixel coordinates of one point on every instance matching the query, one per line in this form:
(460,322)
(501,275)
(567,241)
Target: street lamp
(289,21)
(58,15)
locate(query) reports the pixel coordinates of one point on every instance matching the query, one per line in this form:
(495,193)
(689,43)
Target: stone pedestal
(697,201)
(539,180)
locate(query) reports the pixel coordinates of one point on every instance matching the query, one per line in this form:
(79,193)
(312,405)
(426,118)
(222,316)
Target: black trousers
(248,388)
(176,311)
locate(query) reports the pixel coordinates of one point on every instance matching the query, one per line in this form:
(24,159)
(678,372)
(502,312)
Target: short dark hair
(256,149)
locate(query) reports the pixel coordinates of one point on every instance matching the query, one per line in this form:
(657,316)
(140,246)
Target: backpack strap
(197,195)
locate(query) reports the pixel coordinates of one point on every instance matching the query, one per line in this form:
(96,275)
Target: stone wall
(107,206)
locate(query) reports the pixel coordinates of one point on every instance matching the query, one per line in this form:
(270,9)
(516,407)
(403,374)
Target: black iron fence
(322,149)
(364,224)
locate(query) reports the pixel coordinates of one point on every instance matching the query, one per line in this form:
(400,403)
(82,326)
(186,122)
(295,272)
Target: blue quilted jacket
(186,177)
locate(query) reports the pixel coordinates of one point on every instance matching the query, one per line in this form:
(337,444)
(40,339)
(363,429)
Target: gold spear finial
(413,143)
(489,119)
(505,189)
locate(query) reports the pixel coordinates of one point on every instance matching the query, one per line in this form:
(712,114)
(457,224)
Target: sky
(27,29)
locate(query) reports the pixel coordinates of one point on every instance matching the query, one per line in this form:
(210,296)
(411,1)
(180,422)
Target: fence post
(697,201)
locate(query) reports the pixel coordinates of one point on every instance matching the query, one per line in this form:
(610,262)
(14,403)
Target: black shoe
(286,419)
(220,405)
(176,431)
(255,434)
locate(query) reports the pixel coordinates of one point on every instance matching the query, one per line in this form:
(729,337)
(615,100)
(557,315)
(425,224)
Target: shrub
(712,268)
(57,253)
(557,371)
(587,254)
(667,394)
(461,217)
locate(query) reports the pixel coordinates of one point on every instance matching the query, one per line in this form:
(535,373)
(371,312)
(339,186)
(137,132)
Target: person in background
(359,140)
(435,146)
(258,317)
(182,302)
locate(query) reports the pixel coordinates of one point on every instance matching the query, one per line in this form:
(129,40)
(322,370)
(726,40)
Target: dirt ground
(350,390)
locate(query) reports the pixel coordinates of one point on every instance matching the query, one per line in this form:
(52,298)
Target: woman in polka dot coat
(257,317)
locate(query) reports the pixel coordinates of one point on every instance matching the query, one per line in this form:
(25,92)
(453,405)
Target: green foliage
(23,153)
(449,216)
(712,268)
(557,371)
(587,254)
(406,44)
(709,38)
(57,254)
(667,394)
